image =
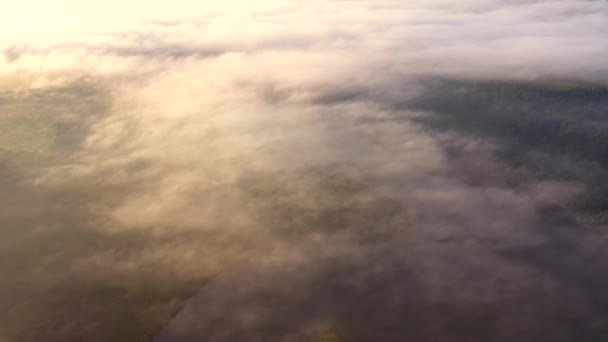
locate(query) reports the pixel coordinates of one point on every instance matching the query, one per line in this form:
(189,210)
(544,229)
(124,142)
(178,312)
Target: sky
(353,162)
(63,16)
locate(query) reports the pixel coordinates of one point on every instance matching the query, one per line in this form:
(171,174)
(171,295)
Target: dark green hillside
(554,130)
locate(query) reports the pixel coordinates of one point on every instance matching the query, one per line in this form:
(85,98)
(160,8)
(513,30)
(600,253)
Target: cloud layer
(294,168)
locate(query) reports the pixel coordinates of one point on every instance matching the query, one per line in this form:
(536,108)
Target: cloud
(315,165)
(476,39)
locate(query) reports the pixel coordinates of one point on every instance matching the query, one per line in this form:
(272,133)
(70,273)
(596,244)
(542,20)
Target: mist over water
(304,171)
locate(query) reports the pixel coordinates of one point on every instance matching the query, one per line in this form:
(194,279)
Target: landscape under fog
(316,171)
